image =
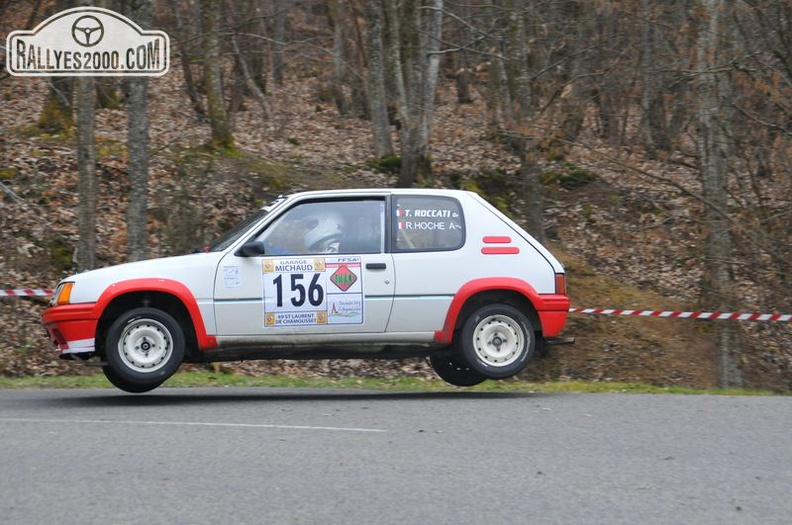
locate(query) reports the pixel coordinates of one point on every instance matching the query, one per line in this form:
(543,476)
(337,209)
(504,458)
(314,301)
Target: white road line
(188,424)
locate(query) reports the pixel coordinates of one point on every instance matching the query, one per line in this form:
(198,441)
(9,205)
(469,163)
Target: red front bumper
(72,327)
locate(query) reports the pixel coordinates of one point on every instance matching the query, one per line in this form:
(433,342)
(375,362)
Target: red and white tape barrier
(715,316)
(26,292)
(720,316)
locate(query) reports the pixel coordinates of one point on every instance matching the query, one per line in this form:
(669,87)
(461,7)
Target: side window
(427,224)
(310,228)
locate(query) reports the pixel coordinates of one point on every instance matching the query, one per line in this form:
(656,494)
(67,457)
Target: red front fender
(168,286)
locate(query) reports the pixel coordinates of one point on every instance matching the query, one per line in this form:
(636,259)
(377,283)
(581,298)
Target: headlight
(62,294)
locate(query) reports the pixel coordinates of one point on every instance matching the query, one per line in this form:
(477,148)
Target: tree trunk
(654,134)
(422,61)
(279,34)
(574,98)
(56,114)
(394,81)
(338,14)
(378,106)
(714,90)
(357,80)
(518,122)
(520,81)
(464,78)
(222,139)
(250,82)
(85,96)
(464,35)
(108,96)
(189,83)
(141,11)
(609,95)
(432,34)
(411,150)
(498,95)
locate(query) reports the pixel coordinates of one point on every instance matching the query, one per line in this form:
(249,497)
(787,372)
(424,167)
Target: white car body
(235,302)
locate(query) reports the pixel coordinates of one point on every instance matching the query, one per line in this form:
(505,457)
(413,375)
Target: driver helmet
(324,228)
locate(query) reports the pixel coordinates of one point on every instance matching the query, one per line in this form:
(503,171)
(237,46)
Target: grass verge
(393,384)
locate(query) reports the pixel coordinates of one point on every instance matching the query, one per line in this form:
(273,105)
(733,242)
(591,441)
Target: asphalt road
(259,455)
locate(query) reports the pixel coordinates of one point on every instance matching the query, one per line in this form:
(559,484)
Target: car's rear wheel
(144,347)
(497,340)
(454,370)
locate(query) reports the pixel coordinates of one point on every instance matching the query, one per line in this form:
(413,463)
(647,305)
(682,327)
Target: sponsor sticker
(231,277)
(302,291)
(88,41)
(427,219)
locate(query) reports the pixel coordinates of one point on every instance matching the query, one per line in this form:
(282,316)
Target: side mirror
(251,249)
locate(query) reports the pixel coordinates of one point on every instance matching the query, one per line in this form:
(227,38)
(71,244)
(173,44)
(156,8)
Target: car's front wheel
(126,385)
(144,347)
(497,341)
(454,370)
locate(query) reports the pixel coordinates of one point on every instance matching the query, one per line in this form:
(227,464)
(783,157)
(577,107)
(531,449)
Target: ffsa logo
(89,41)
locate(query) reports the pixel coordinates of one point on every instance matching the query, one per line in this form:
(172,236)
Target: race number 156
(297,290)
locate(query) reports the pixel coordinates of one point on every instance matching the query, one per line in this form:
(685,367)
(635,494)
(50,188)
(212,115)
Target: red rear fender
(551,309)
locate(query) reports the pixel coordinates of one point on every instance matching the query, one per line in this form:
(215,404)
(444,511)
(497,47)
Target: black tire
(144,347)
(497,341)
(454,370)
(126,386)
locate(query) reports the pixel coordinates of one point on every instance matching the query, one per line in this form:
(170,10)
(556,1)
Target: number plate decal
(301,291)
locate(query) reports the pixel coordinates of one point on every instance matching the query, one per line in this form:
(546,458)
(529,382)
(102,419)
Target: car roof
(353,192)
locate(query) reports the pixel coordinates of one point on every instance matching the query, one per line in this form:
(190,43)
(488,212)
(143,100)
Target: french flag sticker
(399,214)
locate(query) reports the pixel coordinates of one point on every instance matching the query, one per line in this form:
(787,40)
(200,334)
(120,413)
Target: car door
(324,271)
(428,239)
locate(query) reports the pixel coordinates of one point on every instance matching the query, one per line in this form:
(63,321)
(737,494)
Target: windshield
(229,237)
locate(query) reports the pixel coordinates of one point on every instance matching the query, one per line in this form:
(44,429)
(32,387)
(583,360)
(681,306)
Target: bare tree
(87,187)
(423,32)
(56,114)
(141,11)
(524,139)
(572,84)
(714,92)
(337,11)
(279,34)
(222,138)
(394,73)
(252,79)
(185,35)
(653,118)
(378,105)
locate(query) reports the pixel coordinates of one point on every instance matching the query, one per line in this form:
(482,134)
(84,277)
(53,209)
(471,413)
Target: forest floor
(626,241)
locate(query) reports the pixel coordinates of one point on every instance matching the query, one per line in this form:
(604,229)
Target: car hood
(195,270)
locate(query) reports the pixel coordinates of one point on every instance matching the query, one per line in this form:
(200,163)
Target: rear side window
(427,224)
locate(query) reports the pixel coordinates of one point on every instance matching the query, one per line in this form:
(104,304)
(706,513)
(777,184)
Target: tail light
(560,284)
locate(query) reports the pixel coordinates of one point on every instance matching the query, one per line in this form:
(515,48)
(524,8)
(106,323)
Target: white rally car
(388,273)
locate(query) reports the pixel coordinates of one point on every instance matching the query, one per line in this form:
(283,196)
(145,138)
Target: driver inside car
(324,232)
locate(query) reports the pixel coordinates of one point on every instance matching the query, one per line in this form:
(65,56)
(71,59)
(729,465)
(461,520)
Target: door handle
(375,266)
